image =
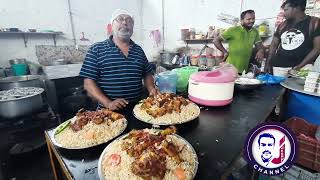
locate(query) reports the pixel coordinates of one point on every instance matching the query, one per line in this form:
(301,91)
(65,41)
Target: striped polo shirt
(117,75)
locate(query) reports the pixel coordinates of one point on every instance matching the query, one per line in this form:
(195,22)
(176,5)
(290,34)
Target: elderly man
(113,69)
(241,40)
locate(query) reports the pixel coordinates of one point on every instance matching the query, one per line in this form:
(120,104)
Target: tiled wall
(47,53)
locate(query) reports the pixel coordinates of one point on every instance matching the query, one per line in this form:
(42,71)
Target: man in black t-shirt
(296,41)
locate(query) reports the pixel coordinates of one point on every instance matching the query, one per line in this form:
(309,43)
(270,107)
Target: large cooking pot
(20,81)
(17,61)
(166,57)
(57,62)
(25,105)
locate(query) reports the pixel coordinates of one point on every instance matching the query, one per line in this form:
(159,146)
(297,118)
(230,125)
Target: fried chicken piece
(75,127)
(168,131)
(171,150)
(160,112)
(146,105)
(107,112)
(116,116)
(98,120)
(150,164)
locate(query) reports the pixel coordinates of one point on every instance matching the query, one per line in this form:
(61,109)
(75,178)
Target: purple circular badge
(271,148)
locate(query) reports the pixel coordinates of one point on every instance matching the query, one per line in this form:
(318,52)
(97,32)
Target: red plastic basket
(308,146)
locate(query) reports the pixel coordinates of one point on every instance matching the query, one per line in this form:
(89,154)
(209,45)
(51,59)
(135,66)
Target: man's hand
(259,55)
(153,92)
(117,104)
(298,67)
(267,68)
(225,56)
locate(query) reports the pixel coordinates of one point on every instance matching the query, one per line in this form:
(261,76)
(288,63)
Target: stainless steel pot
(166,57)
(15,108)
(20,81)
(18,61)
(57,62)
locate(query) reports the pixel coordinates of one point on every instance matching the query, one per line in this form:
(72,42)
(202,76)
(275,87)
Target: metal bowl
(20,81)
(18,107)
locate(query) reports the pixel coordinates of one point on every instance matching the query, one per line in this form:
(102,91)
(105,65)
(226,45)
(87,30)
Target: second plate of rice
(174,110)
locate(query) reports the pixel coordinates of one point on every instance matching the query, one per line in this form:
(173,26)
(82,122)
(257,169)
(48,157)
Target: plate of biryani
(88,129)
(166,109)
(148,154)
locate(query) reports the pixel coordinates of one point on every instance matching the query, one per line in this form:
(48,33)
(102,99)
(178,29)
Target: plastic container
(192,33)
(183,75)
(304,106)
(295,173)
(203,60)
(184,34)
(167,82)
(194,60)
(212,88)
(281,71)
(211,61)
(19,69)
(314,75)
(309,147)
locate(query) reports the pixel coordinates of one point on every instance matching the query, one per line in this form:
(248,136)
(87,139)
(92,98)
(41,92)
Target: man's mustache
(266,151)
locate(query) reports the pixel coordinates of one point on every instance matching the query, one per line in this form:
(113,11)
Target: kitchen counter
(218,136)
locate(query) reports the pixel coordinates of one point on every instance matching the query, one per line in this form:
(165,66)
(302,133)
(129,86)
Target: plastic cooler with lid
(212,88)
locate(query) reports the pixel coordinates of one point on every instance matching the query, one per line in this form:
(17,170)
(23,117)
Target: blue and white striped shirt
(117,75)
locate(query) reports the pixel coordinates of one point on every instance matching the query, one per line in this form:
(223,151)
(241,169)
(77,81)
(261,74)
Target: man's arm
(260,52)
(149,84)
(95,92)
(217,42)
(272,51)
(312,55)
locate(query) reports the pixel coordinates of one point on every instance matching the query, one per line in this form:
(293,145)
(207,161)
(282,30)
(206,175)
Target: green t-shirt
(240,43)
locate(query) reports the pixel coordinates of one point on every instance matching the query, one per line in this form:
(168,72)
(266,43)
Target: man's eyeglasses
(120,19)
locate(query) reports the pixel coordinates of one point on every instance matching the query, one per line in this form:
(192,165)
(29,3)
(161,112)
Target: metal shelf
(26,34)
(198,41)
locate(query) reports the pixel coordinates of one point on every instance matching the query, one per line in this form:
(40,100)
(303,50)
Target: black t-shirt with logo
(296,41)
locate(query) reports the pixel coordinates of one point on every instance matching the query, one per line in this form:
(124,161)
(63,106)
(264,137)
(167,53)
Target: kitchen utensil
(183,77)
(166,57)
(58,62)
(20,81)
(247,84)
(14,29)
(2,73)
(212,88)
(18,61)
(281,71)
(16,107)
(167,82)
(19,69)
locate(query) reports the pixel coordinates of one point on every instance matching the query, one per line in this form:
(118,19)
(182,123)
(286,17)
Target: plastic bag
(270,79)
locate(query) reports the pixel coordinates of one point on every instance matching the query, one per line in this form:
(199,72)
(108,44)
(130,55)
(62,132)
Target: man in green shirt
(241,40)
